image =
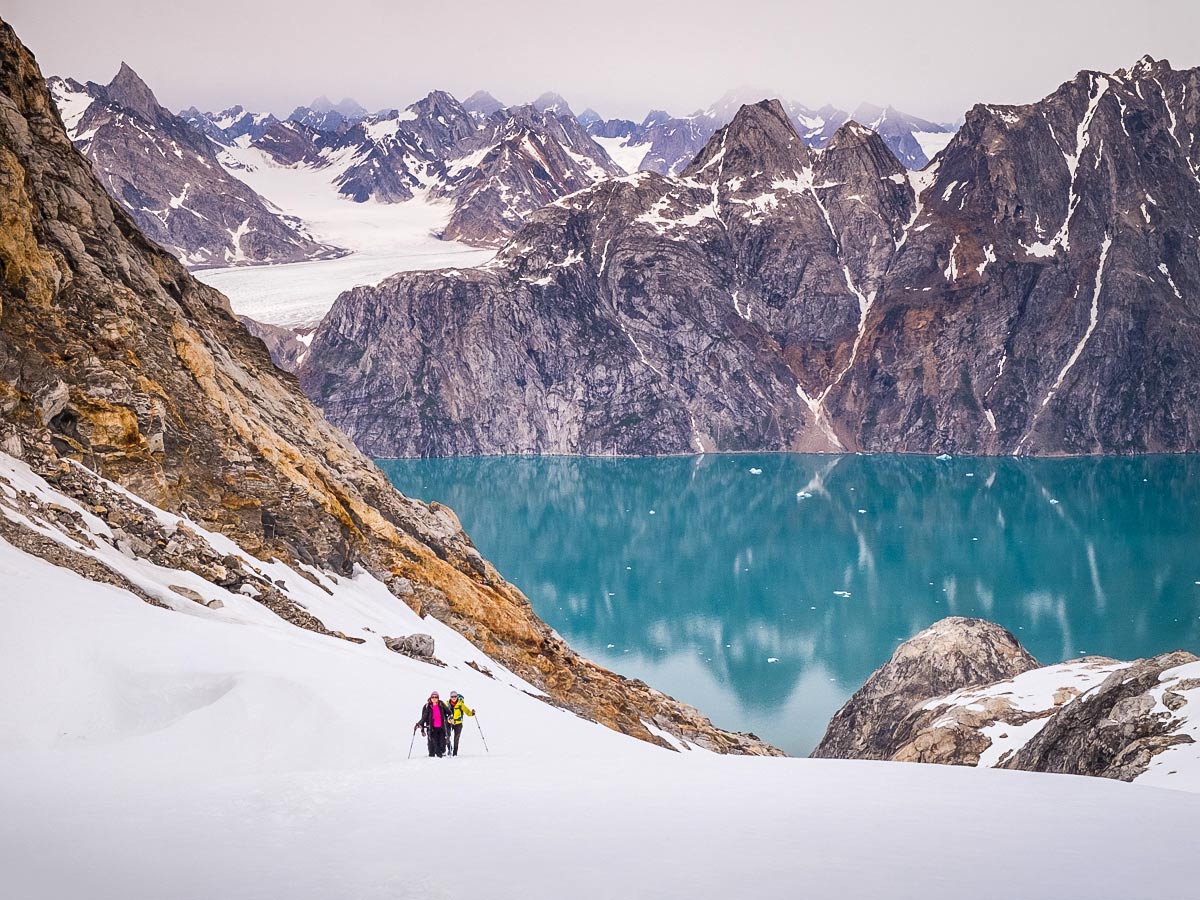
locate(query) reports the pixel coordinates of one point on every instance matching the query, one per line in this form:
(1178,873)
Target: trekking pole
(410,743)
(481,737)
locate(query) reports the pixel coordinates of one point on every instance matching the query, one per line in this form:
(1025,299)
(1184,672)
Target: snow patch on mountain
(626,155)
(933,142)
(384,238)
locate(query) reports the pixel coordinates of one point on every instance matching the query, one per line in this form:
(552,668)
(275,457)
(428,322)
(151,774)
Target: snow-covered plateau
(384,238)
(200,752)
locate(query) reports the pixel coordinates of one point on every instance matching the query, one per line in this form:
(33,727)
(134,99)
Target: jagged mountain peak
(127,89)
(728,105)
(759,140)
(552,103)
(436,99)
(870,112)
(853,133)
(655,117)
(350,108)
(866,147)
(347,107)
(1146,65)
(483,103)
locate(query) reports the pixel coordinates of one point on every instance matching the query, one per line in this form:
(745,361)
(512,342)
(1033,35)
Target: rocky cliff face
(643,315)
(165,174)
(1033,291)
(114,360)
(1044,300)
(964,692)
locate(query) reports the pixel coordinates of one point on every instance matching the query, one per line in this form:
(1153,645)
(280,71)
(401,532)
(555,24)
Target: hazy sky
(621,57)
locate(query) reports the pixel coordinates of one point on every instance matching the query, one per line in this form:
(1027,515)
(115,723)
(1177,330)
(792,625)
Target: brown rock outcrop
(951,654)
(934,702)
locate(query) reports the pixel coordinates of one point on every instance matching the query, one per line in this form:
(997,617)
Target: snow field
(200,753)
(628,156)
(384,238)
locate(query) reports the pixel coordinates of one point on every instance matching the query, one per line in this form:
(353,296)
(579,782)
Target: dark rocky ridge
(166,175)
(1033,291)
(113,357)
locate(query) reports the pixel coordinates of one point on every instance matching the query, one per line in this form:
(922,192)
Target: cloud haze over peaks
(621,58)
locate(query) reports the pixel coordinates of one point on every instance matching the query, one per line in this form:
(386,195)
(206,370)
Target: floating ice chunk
(943,457)
(771,659)
(756,471)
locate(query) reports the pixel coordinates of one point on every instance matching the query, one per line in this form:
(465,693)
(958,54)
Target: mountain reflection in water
(766,589)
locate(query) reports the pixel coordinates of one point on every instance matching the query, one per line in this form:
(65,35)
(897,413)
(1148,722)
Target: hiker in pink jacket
(435,724)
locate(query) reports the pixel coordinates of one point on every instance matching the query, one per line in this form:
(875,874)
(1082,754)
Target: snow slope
(628,156)
(197,753)
(384,238)
(933,142)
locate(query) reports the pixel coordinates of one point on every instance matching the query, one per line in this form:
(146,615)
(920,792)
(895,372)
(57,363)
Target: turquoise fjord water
(766,589)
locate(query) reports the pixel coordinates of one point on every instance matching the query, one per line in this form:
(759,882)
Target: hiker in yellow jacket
(457,710)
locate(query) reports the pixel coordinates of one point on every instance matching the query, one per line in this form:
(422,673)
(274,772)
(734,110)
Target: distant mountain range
(666,144)
(494,164)
(165,172)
